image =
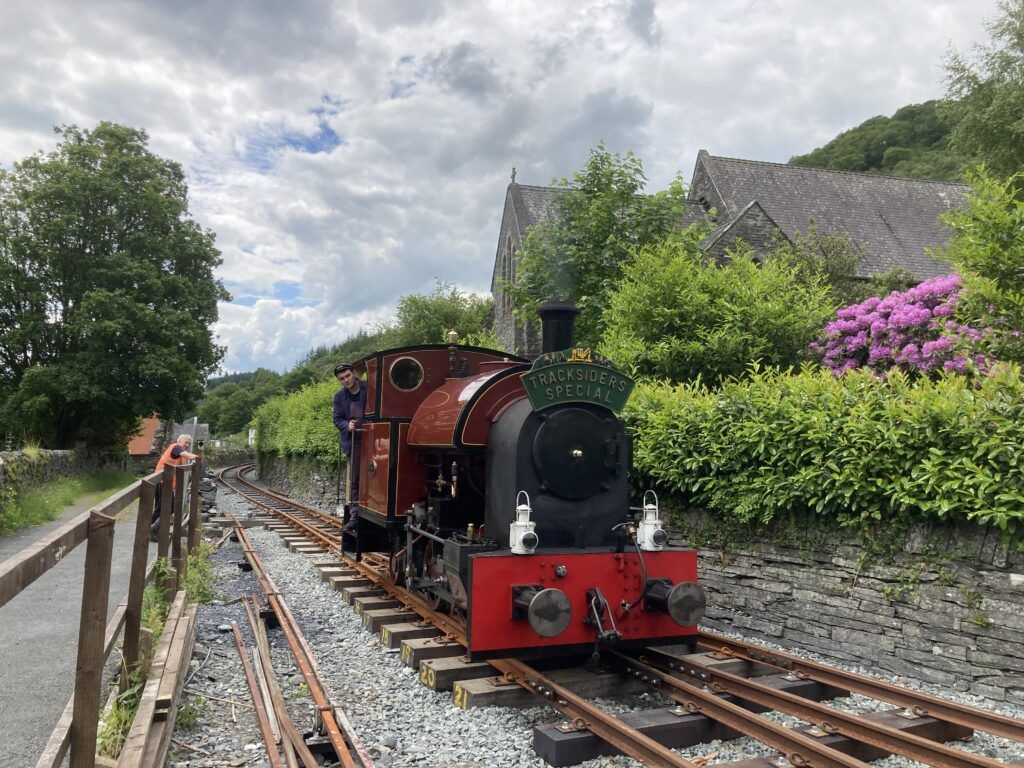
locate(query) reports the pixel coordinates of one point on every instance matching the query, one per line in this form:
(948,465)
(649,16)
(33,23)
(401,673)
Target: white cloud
(421,109)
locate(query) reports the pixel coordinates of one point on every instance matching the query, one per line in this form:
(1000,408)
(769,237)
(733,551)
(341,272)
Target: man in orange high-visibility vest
(176,453)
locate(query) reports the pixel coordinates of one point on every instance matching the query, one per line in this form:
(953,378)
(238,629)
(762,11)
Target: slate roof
(894,218)
(534,204)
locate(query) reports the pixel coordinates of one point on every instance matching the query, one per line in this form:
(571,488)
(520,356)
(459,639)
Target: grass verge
(45,503)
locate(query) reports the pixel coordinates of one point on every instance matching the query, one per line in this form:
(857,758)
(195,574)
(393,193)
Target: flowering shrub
(911,330)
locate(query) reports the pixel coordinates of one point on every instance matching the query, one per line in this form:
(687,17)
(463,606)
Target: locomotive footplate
(522,604)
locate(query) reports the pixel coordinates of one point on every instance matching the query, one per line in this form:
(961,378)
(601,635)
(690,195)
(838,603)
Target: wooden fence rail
(77,726)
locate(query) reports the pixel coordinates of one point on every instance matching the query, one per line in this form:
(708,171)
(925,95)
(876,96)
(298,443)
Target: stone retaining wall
(949,609)
(21,470)
(302,478)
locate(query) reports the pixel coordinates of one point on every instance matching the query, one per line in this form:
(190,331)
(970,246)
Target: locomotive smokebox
(556,322)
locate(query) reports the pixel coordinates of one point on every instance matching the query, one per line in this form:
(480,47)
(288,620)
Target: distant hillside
(913,142)
(235,378)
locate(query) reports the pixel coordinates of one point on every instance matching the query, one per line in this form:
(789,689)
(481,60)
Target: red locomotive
(500,489)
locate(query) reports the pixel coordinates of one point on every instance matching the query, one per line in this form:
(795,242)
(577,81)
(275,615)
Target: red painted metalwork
(375,460)
(411,476)
(371,386)
(436,420)
(491,627)
(435,362)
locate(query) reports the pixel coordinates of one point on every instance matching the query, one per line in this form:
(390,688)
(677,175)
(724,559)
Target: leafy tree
(915,141)
(107,293)
(237,411)
(211,408)
(987,95)
(427,318)
(677,316)
(603,217)
(987,250)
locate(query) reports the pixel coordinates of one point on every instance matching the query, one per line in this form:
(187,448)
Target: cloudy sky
(346,153)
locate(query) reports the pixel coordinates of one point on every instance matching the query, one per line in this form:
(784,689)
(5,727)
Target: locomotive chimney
(556,320)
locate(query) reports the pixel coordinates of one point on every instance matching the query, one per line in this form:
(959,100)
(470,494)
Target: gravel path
(402,722)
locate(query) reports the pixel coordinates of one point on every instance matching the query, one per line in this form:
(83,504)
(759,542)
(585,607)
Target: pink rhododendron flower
(912,330)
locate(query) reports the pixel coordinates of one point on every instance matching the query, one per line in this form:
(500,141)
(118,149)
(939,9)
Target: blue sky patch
(287,292)
(262,148)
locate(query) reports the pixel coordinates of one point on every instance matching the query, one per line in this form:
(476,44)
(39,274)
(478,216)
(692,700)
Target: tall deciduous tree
(603,217)
(987,94)
(107,293)
(427,318)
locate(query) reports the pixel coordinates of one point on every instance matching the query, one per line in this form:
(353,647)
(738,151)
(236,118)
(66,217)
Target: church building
(893,219)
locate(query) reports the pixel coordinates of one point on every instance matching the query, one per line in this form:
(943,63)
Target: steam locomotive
(500,491)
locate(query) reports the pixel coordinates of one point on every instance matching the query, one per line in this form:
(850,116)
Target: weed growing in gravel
(188,714)
(199,578)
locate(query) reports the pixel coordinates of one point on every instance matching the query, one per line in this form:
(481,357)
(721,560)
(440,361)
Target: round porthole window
(406,374)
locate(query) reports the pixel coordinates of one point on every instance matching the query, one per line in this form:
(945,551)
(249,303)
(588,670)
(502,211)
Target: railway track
(717,694)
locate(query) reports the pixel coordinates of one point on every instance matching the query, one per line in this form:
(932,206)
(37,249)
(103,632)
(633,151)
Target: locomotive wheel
(432,571)
(396,564)
(435,601)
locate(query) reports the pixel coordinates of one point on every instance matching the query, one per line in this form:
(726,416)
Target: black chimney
(556,320)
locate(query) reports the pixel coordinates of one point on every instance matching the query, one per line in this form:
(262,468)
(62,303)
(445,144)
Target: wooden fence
(77,726)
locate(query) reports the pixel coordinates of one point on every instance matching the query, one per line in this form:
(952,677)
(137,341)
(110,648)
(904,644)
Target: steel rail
(920,703)
(300,650)
(262,716)
(330,543)
(801,750)
(584,715)
(320,515)
(828,719)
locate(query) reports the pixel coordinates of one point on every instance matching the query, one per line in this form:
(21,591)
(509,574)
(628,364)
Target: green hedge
(299,424)
(856,449)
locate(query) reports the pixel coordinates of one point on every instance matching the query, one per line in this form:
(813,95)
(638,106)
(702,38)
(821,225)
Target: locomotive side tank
(501,491)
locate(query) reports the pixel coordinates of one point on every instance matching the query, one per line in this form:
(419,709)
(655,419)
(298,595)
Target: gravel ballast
(401,722)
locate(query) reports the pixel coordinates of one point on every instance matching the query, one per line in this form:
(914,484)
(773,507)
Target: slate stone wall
(948,609)
(304,479)
(20,470)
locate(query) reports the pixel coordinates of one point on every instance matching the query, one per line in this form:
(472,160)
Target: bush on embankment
(299,424)
(855,449)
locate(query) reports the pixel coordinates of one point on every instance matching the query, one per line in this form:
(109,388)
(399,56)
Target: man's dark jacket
(346,408)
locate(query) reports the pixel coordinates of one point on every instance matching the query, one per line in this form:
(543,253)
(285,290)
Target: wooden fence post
(195,513)
(92,629)
(166,494)
(137,579)
(180,474)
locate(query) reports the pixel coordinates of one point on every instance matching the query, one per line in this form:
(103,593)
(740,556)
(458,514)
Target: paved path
(39,638)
